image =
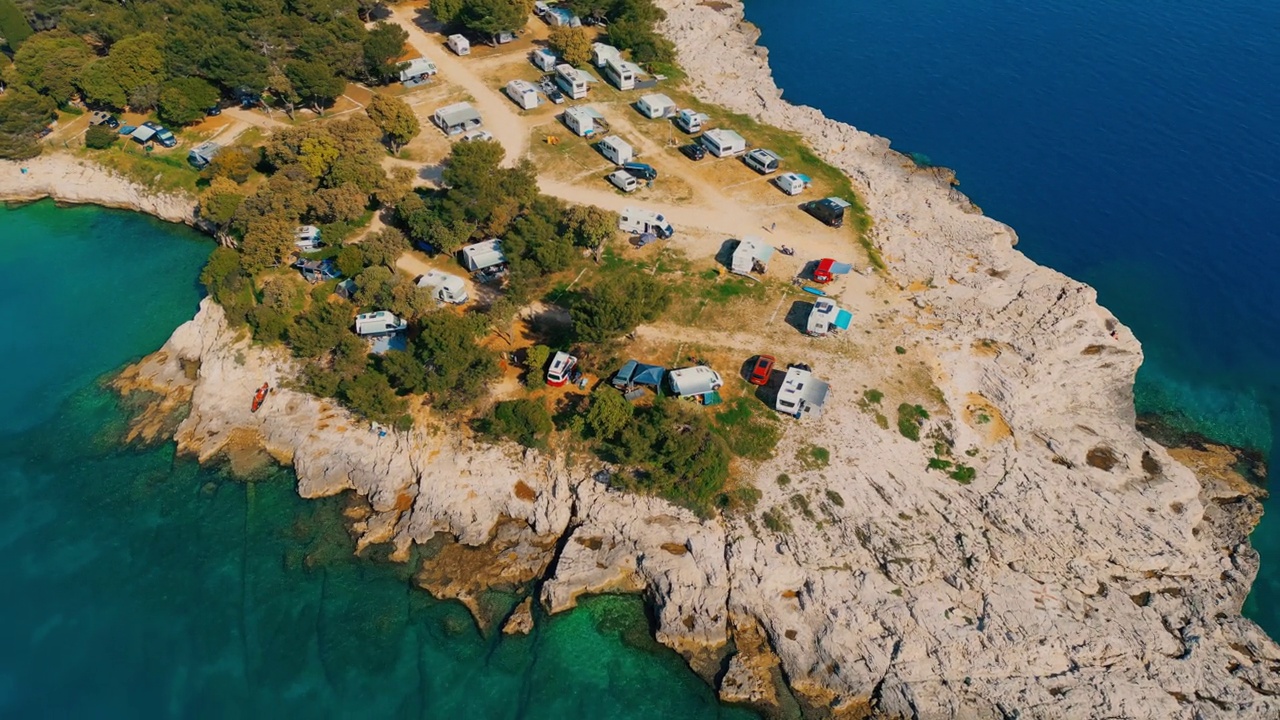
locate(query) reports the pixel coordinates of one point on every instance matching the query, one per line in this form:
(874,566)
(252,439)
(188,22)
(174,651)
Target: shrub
(608,413)
(524,421)
(873,396)
(910,418)
(100,137)
(371,395)
(963,474)
(900,350)
(748,435)
(783,479)
(812,457)
(835,498)
(616,308)
(535,360)
(776,520)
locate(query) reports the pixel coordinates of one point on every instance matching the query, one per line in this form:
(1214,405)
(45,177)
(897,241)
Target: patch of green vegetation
(801,503)
(783,479)
(983,418)
(900,350)
(835,498)
(910,418)
(749,435)
(812,457)
(939,464)
(873,396)
(882,421)
(963,474)
(525,421)
(776,520)
(971,452)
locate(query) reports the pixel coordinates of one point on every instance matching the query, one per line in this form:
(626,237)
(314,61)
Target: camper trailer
(656,106)
(306,237)
(459,44)
(523,93)
(418,69)
(751,255)
(724,143)
(691,121)
(444,287)
(801,394)
(457,118)
(696,381)
(582,120)
(482,256)
(601,54)
(616,150)
(382,322)
(624,181)
(639,222)
(621,74)
(561,17)
(544,60)
(826,317)
(572,81)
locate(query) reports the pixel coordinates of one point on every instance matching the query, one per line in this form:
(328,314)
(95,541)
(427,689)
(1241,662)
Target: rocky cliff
(67,179)
(1082,572)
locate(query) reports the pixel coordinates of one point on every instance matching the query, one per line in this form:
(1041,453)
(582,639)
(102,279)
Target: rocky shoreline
(1083,573)
(72,181)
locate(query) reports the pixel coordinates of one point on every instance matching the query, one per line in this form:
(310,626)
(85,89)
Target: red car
(822,273)
(761,371)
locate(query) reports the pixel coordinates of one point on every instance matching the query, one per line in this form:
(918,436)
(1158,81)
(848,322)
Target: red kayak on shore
(260,396)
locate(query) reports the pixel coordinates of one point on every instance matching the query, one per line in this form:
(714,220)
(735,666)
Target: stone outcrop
(70,180)
(1083,572)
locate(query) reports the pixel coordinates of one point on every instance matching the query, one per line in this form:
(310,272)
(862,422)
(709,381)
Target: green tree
(49,62)
(573,44)
(395,186)
(100,137)
(402,369)
(526,421)
(383,46)
(395,119)
(315,83)
(99,85)
(23,113)
(219,203)
(14,28)
(608,413)
(613,309)
(185,100)
(447,11)
(384,247)
(233,163)
(457,369)
(340,204)
(590,226)
(491,17)
(535,359)
(350,261)
(268,242)
(375,288)
(319,330)
(371,395)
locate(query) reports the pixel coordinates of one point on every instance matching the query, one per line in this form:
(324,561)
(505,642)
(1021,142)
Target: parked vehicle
(477,135)
(214,111)
(548,87)
(762,161)
(762,370)
(792,183)
(641,171)
(829,210)
(693,151)
(640,222)
(822,273)
(624,181)
(560,369)
(444,287)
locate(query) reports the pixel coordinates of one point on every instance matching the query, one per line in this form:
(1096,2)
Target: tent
(637,373)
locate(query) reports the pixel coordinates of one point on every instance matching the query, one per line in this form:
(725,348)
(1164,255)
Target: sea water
(1132,145)
(140,585)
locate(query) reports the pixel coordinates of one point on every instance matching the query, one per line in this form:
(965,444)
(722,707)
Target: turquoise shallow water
(139,585)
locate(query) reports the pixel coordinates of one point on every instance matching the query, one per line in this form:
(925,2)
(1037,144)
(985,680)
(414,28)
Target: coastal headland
(1077,569)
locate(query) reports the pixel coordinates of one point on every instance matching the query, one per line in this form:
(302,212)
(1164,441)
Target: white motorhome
(751,255)
(792,183)
(602,53)
(523,93)
(418,68)
(723,143)
(445,287)
(621,73)
(639,222)
(656,106)
(691,121)
(762,161)
(624,181)
(482,255)
(616,150)
(582,120)
(572,81)
(801,394)
(826,317)
(459,44)
(306,237)
(694,381)
(544,60)
(382,322)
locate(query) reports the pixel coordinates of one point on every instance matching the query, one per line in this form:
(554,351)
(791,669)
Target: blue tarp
(636,373)
(843,318)
(841,268)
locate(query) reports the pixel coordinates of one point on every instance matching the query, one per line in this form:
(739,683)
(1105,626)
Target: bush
(910,418)
(676,454)
(100,137)
(608,413)
(900,350)
(873,396)
(371,395)
(812,457)
(835,498)
(963,474)
(776,520)
(613,309)
(525,421)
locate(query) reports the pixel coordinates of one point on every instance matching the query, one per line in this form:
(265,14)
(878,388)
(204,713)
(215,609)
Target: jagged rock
(520,622)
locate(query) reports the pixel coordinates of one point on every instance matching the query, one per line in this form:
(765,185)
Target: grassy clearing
(748,435)
(812,457)
(167,172)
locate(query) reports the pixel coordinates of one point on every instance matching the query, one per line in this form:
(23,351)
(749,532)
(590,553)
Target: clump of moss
(910,418)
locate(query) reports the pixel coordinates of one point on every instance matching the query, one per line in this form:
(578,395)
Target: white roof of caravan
(484,254)
(458,114)
(725,136)
(750,249)
(697,380)
(615,142)
(572,73)
(459,39)
(522,86)
(438,278)
(800,387)
(657,100)
(581,112)
(605,51)
(418,66)
(379,322)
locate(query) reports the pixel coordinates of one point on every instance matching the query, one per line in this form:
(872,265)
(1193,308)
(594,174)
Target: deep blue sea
(138,585)
(1132,145)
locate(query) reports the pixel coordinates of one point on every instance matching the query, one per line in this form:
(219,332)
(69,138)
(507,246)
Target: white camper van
(444,287)
(639,222)
(306,237)
(482,256)
(459,44)
(616,150)
(382,322)
(792,183)
(691,121)
(417,69)
(624,181)
(523,93)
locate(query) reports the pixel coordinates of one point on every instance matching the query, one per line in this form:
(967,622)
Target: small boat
(814,290)
(259,396)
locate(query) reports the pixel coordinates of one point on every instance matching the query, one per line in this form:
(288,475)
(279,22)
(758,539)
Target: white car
(477,135)
(624,181)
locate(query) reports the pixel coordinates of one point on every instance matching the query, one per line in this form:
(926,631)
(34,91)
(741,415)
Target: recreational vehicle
(417,69)
(621,74)
(582,120)
(624,181)
(202,154)
(801,394)
(572,81)
(829,210)
(826,317)
(457,118)
(444,286)
(724,143)
(561,367)
(482,256)
(523,94)
(696,381)
(691,121)
(639,222)
(381,322)
(601,54)
(762,161)
(544,60)
(792,183)
(751,255)
(459,44)
(616,150)
(306,237)
(656,106)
